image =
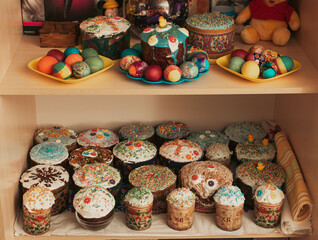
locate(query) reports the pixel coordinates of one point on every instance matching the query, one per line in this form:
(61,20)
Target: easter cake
(211,32)
(164,44)
(108,35)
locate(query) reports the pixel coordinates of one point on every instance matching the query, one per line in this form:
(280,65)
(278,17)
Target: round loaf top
(229,196)
(132,152)
(48,176)
(139,196)
(207,137)
(180,150)
(240,131)
(205,177)
(269,193)
(97,137)
(93,202)
(181,197)
(171,130)
(38,198)
(255,173)
(104,26)
(61,135)
(153,177)
(210,21)
(96,174)
(137,131)
(88,155)
(49,153)
(218,151)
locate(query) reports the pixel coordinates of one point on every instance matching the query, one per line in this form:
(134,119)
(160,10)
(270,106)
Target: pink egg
(137,69)
(59,55)
(153,73)
(239,53)
(172,73)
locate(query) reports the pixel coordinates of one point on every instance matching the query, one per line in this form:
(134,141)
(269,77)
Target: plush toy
(269,19)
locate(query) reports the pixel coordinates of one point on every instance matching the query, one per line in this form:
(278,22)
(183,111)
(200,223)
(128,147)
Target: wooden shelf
(19,80)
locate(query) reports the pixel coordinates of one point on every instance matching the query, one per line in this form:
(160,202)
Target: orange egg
(73,58)
(46,64)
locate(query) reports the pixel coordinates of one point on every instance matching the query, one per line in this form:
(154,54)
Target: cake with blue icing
(164,44)
(212,32)
(207,137)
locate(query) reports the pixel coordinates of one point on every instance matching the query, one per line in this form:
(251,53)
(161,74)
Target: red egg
(73,58)
(57,54)
(239,53)
(46,64)
(153,73)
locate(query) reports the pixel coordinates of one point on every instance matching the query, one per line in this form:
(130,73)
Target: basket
(59,34)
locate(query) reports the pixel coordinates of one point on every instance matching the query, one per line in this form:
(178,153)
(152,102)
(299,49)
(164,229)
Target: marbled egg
(189,70)
(172,73)
(268,69)
(81,69)
(202,63)
(130,51)
(62,70)
(127,60)
(137,69)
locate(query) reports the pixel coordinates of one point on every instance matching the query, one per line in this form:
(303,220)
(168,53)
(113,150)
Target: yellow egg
(250,69)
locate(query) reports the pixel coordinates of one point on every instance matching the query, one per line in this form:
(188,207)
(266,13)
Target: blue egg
(202,63)
(268,69)
(138,47)
(269,73)
(130,51)
(71,50)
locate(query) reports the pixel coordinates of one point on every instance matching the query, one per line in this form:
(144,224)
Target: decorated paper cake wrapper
(228,218)
(36,223)
(138,217)
(267,215)
(297,193)
(180,218)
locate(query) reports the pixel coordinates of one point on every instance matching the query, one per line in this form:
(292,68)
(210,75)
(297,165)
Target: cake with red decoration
(109,35)
(204,178)
(164,44)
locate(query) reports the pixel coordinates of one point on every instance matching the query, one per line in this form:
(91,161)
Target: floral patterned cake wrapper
(228,218)
(36,223)
(137,217)
(267,215)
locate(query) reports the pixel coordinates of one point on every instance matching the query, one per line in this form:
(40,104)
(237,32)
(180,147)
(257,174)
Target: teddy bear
(269,21)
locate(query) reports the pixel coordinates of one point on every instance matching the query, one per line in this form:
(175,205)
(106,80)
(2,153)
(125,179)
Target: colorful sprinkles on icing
(61,135)
(229,196)
(152,177)
(210,21)
(96,175)
(98,137)
(137,131)
(139,196)
(181,197)
(172,130)
(207,137)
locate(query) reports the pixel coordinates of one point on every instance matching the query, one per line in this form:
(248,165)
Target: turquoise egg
(138,47)
(268,69)
(130,51)
(81,69)
(71,50)
(288,62)
(269,73)
(202,63)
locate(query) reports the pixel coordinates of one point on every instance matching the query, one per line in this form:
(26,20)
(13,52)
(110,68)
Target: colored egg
(256,49)
(284,64)
(137,69)
(62,70)
(250,69)
(81,69)
(268,69)
(138,47)
(89,52)
(202,63)
(256,57)
(239,53)
(197,54)
(127,60)
(172,73)
(95,63)
(153,73)
(270,55)
(236,64)
(73,58)
(130,51)
(189,70)
(59,55)
(46,64)
(71,50)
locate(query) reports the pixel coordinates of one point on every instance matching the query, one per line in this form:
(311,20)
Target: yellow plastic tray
(108,63)
(224,61)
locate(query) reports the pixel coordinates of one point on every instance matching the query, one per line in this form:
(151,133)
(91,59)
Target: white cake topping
(269,193)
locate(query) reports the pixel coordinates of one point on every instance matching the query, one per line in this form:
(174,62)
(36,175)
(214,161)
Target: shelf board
(65,226)
(19,80)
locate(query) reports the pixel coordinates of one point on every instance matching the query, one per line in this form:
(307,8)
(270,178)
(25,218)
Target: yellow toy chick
(260,166)
(162,22)
(250,137)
